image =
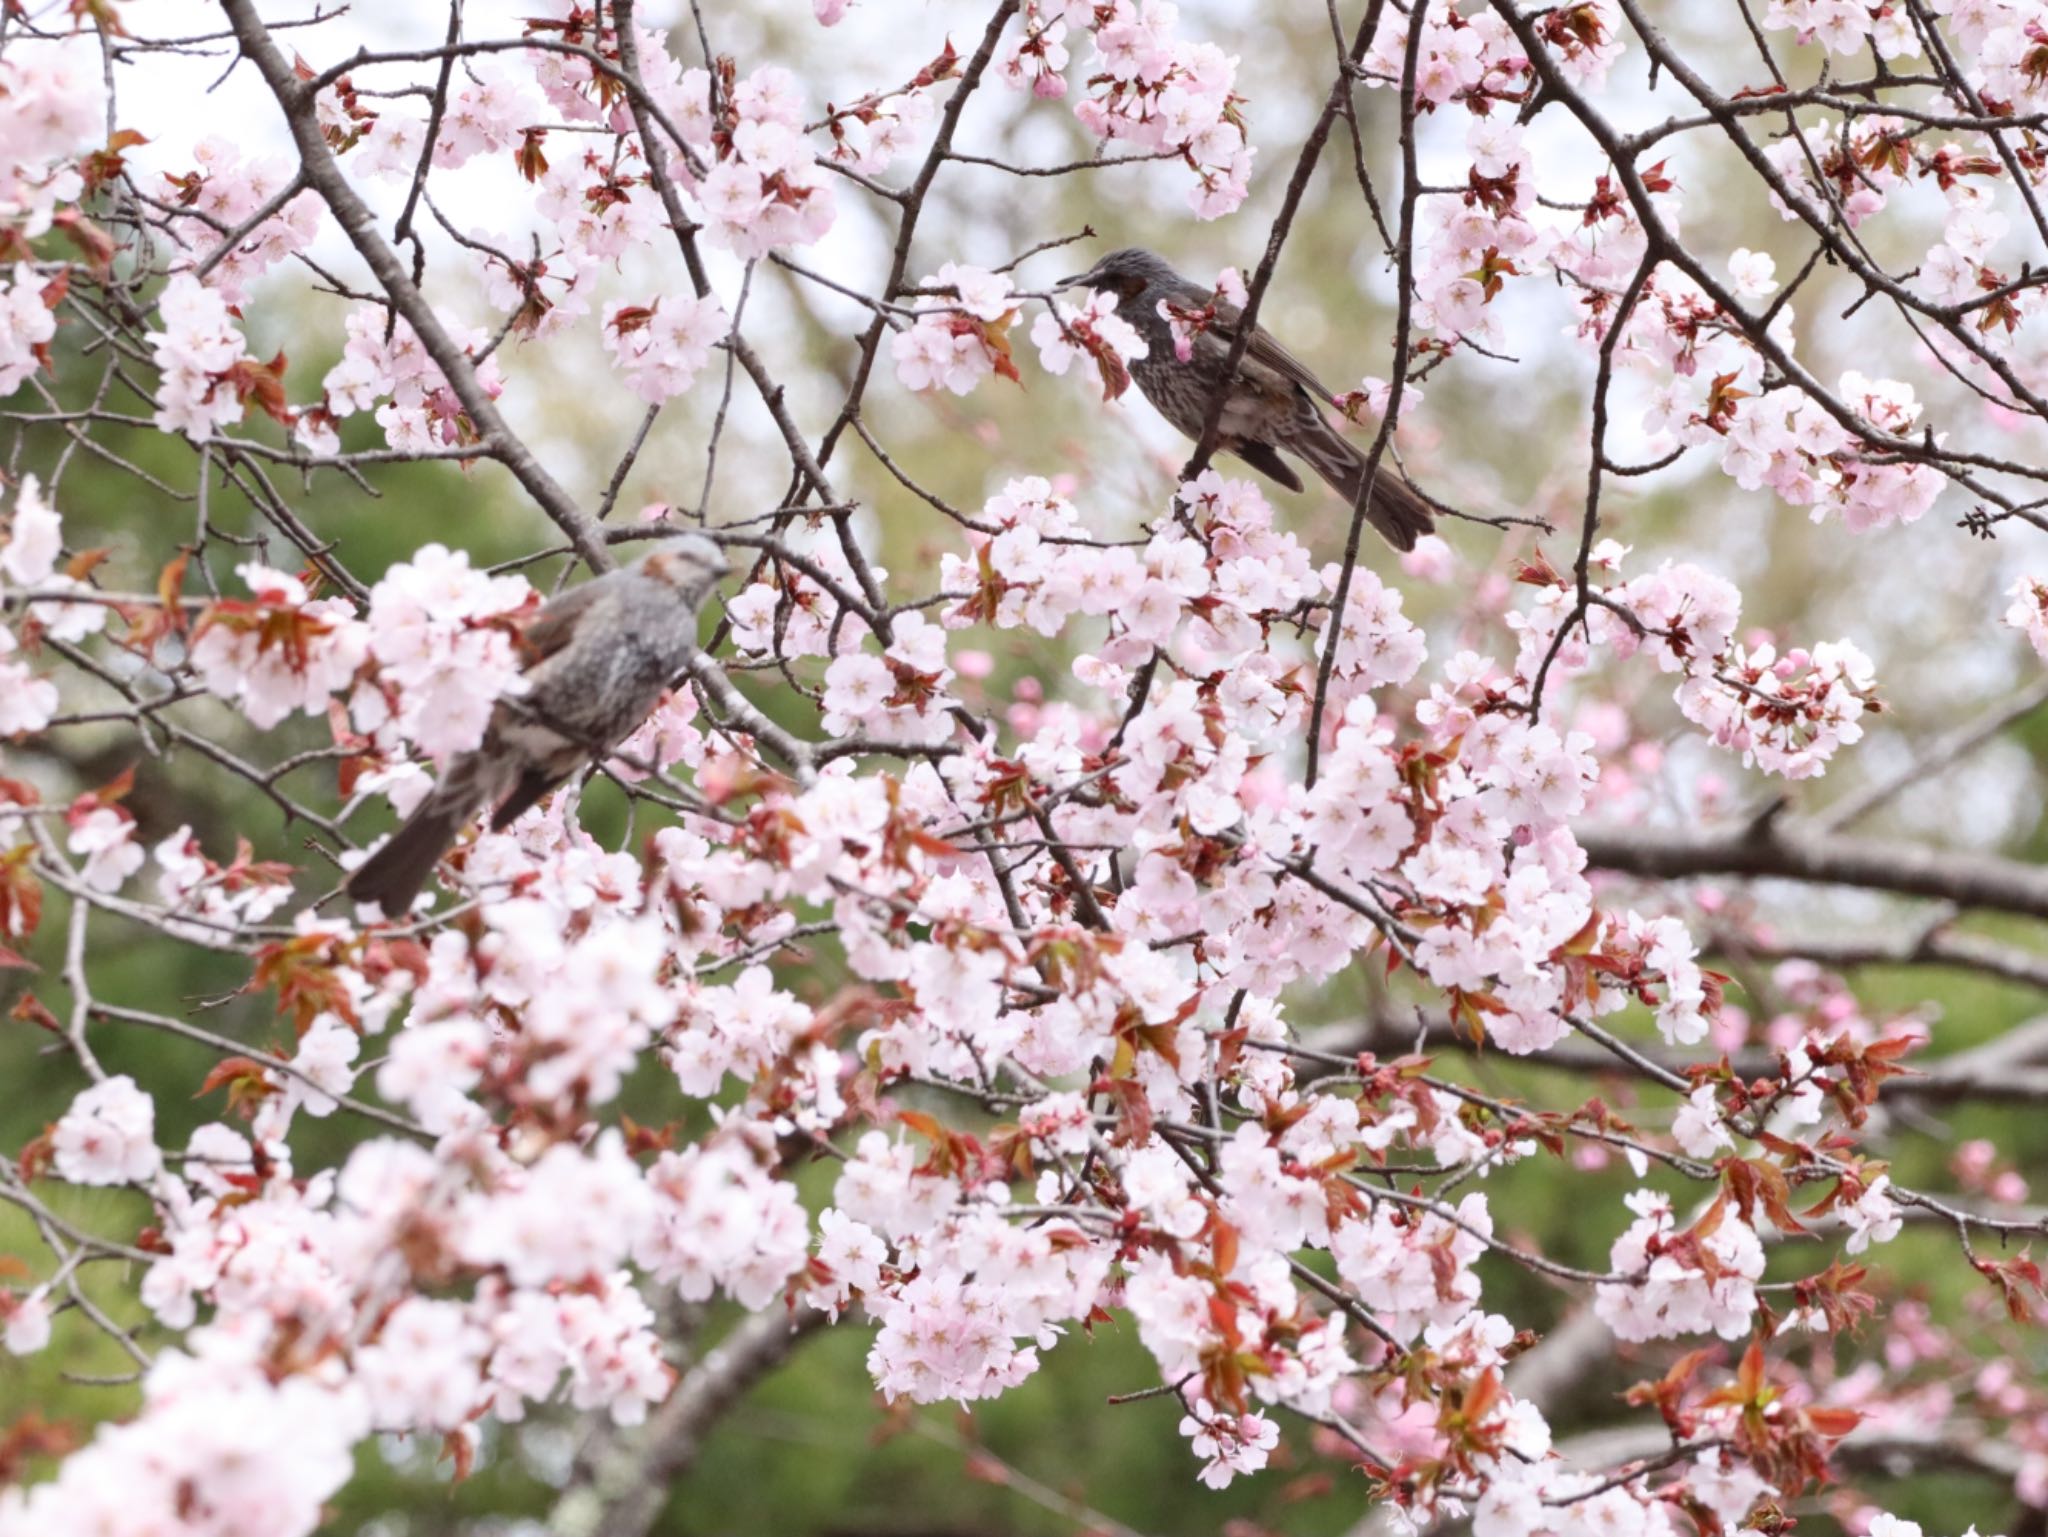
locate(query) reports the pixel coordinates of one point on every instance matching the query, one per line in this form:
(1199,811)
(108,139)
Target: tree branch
(323,173)
(634,1476)
(1771,851)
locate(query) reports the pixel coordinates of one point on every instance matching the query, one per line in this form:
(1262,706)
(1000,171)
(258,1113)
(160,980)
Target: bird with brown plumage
(1275,405)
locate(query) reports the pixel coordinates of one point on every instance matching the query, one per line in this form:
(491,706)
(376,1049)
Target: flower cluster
(1786,714)
(222,192)
(486,114)
(1699,1281)
(385,368)
(27,323)
(1841,27)
(899,696)
(231,1447)
(957,343)
(1448,843)
(206,379)
(1063,335)
(2028,613)
(660,347)
(108,1136)
(52,107)
(101,834)
(280,650)
(764,187)
(793,612)
(28,558)
(1036,943)
(1150,88)
(873,133)
(27,702)
(445,641)
(1474,60)
(1786,439)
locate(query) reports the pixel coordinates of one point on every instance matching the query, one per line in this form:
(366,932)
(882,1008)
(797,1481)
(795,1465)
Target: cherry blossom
(281,651)
(27,323)
(1754,273)
(958,344)
(1146,908)
(223,191)
(238,1454)
(27,702)
(2029,613)
(661,346)
(766,188)
(445,649)
(34,537)
(1149,86)
(206,375)
(27,1322)
(1233,1444)
(1096,332)
(1699,1281)
(387,371)
(107,1136)
(52,108)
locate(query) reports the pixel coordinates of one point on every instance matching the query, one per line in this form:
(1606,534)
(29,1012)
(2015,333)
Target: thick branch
(1967,880)
(627,1490)
(2011,1068)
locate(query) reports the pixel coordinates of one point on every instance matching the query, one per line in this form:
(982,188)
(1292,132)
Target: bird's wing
(549,630)
(1262,350)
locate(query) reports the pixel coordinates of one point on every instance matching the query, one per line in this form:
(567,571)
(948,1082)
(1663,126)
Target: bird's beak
(1076,281)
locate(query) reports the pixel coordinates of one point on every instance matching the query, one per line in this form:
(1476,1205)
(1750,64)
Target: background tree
(1561,1058)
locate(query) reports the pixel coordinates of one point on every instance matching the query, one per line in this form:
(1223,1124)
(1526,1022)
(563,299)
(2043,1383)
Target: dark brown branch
(1968,880)
(627,1490)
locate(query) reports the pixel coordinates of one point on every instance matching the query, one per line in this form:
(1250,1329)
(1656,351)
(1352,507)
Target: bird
(598,659)
(1272,406)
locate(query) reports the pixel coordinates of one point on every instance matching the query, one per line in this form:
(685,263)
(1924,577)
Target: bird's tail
(394,876)
(1397,511)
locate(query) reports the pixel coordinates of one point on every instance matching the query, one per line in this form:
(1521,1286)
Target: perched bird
(1272,406)
(599,657)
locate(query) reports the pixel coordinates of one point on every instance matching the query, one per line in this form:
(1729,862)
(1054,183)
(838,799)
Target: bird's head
(689,563)
(1126,273)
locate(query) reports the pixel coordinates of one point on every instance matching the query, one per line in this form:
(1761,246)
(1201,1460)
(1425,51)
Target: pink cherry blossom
(27,1322)
(34,537)
(196,351)
(104,837)
(1140,910)
(27,325)
(1095,331)
(444,653)
(1674,1297)
(660,347)
(107,1137)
